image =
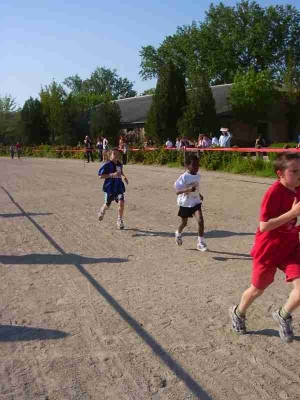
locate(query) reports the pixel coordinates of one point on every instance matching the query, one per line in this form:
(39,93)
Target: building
(134,112)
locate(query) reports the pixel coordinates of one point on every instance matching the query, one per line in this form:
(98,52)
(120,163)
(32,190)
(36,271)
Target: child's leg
(237,313)
(201,245)
(293,301)
(103,209)
(182,225)
(121,209)
(200,220)
(247,299)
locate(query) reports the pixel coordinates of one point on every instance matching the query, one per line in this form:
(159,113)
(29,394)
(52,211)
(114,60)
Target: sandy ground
(90,312)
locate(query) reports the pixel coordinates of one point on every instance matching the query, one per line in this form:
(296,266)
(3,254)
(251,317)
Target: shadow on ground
(57,259)
(13,215)
(210,234)
(147,338)
(269,332)
(13,333)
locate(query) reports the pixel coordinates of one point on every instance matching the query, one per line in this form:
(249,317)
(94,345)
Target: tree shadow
(147,338)
(13,333)
(210,234)
(13,215)
(269,332)
(58,259)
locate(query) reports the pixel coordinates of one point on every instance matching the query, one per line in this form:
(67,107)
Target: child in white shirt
(189,200)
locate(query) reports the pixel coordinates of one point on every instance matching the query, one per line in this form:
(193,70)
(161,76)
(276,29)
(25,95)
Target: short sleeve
(270,206)
(180,183)
(104,169)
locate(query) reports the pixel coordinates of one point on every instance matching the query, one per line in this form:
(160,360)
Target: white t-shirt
(225,140)
(105,144)
(169,143)
(185,181)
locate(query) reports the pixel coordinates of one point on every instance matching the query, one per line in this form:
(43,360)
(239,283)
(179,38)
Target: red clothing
(279,247)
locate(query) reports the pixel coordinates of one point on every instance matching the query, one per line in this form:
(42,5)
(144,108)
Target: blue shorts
(109,198)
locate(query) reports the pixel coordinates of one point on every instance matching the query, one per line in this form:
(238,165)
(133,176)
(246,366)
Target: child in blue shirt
(114,188)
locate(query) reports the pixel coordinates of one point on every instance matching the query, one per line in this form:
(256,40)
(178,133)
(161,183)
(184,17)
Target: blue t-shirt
(112,186)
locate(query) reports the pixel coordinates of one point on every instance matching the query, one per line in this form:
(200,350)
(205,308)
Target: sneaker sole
(282,337)
(203,250)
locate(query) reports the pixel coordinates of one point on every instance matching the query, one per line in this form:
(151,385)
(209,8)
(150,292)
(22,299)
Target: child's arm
(187,190)
(113,175)
(274,223)
(125,178)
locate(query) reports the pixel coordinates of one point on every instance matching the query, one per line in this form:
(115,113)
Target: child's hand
(190,190)
(201,197)
(296,207)
(126,180)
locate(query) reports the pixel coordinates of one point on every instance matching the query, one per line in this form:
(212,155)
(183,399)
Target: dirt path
(90,312)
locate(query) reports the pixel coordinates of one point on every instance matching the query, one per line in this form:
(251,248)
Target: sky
(43,40)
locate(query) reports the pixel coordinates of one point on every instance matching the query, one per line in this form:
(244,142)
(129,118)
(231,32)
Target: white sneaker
(201,246)
(120,223)
(178,238)
(101,214)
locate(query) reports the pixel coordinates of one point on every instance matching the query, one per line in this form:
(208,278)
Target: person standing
(99,146)
(12,151)
(88,149)
(105,148)
(18,148)
(225,137)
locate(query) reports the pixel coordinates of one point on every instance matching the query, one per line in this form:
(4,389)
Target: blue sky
(43,40)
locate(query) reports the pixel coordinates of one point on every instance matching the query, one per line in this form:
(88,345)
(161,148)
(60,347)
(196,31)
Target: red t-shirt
(275,246)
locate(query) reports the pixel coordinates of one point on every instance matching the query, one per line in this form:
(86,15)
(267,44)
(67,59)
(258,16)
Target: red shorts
(263,275)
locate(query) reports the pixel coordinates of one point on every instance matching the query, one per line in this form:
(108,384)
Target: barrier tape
(192,149)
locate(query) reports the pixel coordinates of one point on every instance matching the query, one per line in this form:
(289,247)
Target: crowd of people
(204,141)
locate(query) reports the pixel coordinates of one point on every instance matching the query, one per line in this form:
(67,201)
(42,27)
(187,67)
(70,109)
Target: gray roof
(134,110)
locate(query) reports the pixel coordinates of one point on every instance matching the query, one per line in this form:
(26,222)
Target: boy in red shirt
(276,246)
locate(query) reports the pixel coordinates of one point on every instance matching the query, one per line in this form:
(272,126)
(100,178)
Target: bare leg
(121,208)
(293,301)
(200,220)
(248,298)
(182,225)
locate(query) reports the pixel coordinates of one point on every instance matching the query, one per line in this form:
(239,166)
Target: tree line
(255,48)
(65,112)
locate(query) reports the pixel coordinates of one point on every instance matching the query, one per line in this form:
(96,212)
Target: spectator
(200,141)
(169,144)
(206,142)
(99,147)
(18,148)
(225,137)
(12,151)
(215,141)
(88,149)
(178,143)
(105,148)
(260,142)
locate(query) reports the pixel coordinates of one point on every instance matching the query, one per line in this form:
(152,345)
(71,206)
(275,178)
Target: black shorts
(113,197)
(188,212)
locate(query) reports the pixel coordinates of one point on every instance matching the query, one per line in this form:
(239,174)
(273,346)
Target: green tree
(102,81)
(167,105)
(251,96)
(34,125)
(291,94)
(9,118)
(200,114)
(53,101)
(230,39)
(106,120)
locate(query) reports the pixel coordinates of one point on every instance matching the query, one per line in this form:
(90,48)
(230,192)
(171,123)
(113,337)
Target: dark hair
(190,159)
(281,160)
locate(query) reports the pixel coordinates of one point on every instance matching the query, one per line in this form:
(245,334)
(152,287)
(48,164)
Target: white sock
(178,234)
(201,239)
